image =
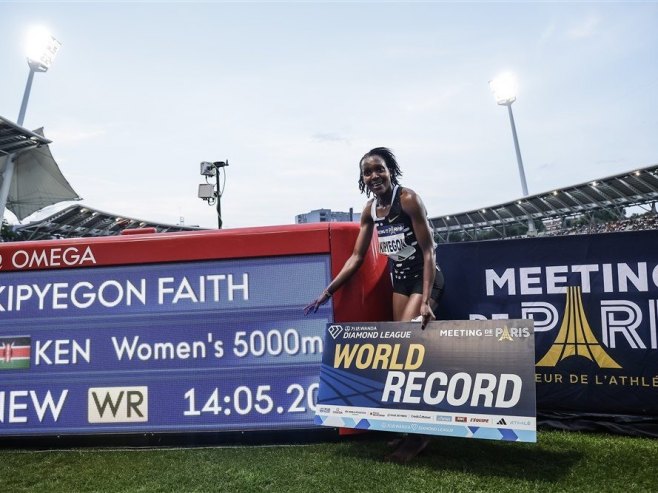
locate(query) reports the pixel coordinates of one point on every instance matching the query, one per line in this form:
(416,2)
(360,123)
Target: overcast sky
(294,93)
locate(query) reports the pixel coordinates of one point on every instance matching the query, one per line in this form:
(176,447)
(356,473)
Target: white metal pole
(9,168)
(26,96)
(519,161)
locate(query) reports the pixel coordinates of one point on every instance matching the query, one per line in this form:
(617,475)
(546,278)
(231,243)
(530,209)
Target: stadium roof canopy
(14,138)
(81,221)
(637,187)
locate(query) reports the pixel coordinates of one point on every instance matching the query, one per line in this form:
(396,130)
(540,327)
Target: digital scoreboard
(164,344)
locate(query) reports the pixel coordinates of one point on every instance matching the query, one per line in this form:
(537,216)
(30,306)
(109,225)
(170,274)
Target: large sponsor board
(594,301)
(472,379)
(217,345)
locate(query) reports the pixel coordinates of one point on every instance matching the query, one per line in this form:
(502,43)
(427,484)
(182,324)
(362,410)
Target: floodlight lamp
(504,88)
(41,49)
(208,168)
(206,191)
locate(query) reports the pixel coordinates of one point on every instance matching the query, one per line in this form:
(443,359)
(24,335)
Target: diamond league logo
(335,330)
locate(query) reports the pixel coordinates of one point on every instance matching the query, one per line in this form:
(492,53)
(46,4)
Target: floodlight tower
(41,50)
(504,88)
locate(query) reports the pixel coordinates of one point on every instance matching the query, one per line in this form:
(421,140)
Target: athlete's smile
(376,175)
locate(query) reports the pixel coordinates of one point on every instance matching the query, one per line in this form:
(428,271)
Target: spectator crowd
(634,223)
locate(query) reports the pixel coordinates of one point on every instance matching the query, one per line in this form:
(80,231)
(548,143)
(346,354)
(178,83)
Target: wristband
(327,293)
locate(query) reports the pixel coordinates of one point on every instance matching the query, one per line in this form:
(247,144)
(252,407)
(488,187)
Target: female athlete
(405,236)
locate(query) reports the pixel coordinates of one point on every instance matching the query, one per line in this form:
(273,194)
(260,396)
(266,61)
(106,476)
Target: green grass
(560,461)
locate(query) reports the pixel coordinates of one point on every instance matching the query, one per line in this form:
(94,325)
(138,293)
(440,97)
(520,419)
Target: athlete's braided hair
(391,163)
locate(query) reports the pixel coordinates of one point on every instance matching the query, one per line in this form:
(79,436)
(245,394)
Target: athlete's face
(376,175)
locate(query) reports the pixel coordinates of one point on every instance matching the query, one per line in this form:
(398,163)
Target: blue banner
(455,378)
(180,347)
(594,301)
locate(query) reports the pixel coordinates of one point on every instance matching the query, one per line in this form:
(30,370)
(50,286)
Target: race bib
(392,242)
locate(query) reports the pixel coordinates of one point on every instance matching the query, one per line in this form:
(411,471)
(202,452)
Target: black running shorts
(407,287)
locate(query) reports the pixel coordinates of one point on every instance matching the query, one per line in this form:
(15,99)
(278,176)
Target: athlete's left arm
(415,209)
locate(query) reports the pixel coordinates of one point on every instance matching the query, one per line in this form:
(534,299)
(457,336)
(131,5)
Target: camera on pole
(212,192)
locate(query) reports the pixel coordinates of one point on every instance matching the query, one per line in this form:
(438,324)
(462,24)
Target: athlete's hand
(427,315)
(317,303)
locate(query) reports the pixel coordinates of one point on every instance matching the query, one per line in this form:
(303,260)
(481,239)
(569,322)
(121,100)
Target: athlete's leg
(412,308)
(437,291)
(414,444)
(400,302)
(406,308)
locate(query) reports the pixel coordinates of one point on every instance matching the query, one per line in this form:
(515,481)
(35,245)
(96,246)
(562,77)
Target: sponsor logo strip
(417,417)
(438,429)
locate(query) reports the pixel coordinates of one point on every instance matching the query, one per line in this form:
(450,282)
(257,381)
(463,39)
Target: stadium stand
(633,223)
(593,207)
(552,211)
(82,221)
(14,138)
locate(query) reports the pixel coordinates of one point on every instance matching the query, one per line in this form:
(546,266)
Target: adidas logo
(502,422)
(335,330)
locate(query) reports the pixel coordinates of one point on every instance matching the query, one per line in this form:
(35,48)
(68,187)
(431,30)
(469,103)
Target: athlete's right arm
(351,265)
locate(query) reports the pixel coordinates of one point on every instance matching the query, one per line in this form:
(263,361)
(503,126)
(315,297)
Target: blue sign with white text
(594,302)
(190,346)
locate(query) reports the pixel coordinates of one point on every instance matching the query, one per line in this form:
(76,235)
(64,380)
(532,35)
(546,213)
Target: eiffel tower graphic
(575,337)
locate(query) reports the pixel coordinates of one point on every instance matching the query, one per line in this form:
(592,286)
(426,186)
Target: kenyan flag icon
(15,352)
